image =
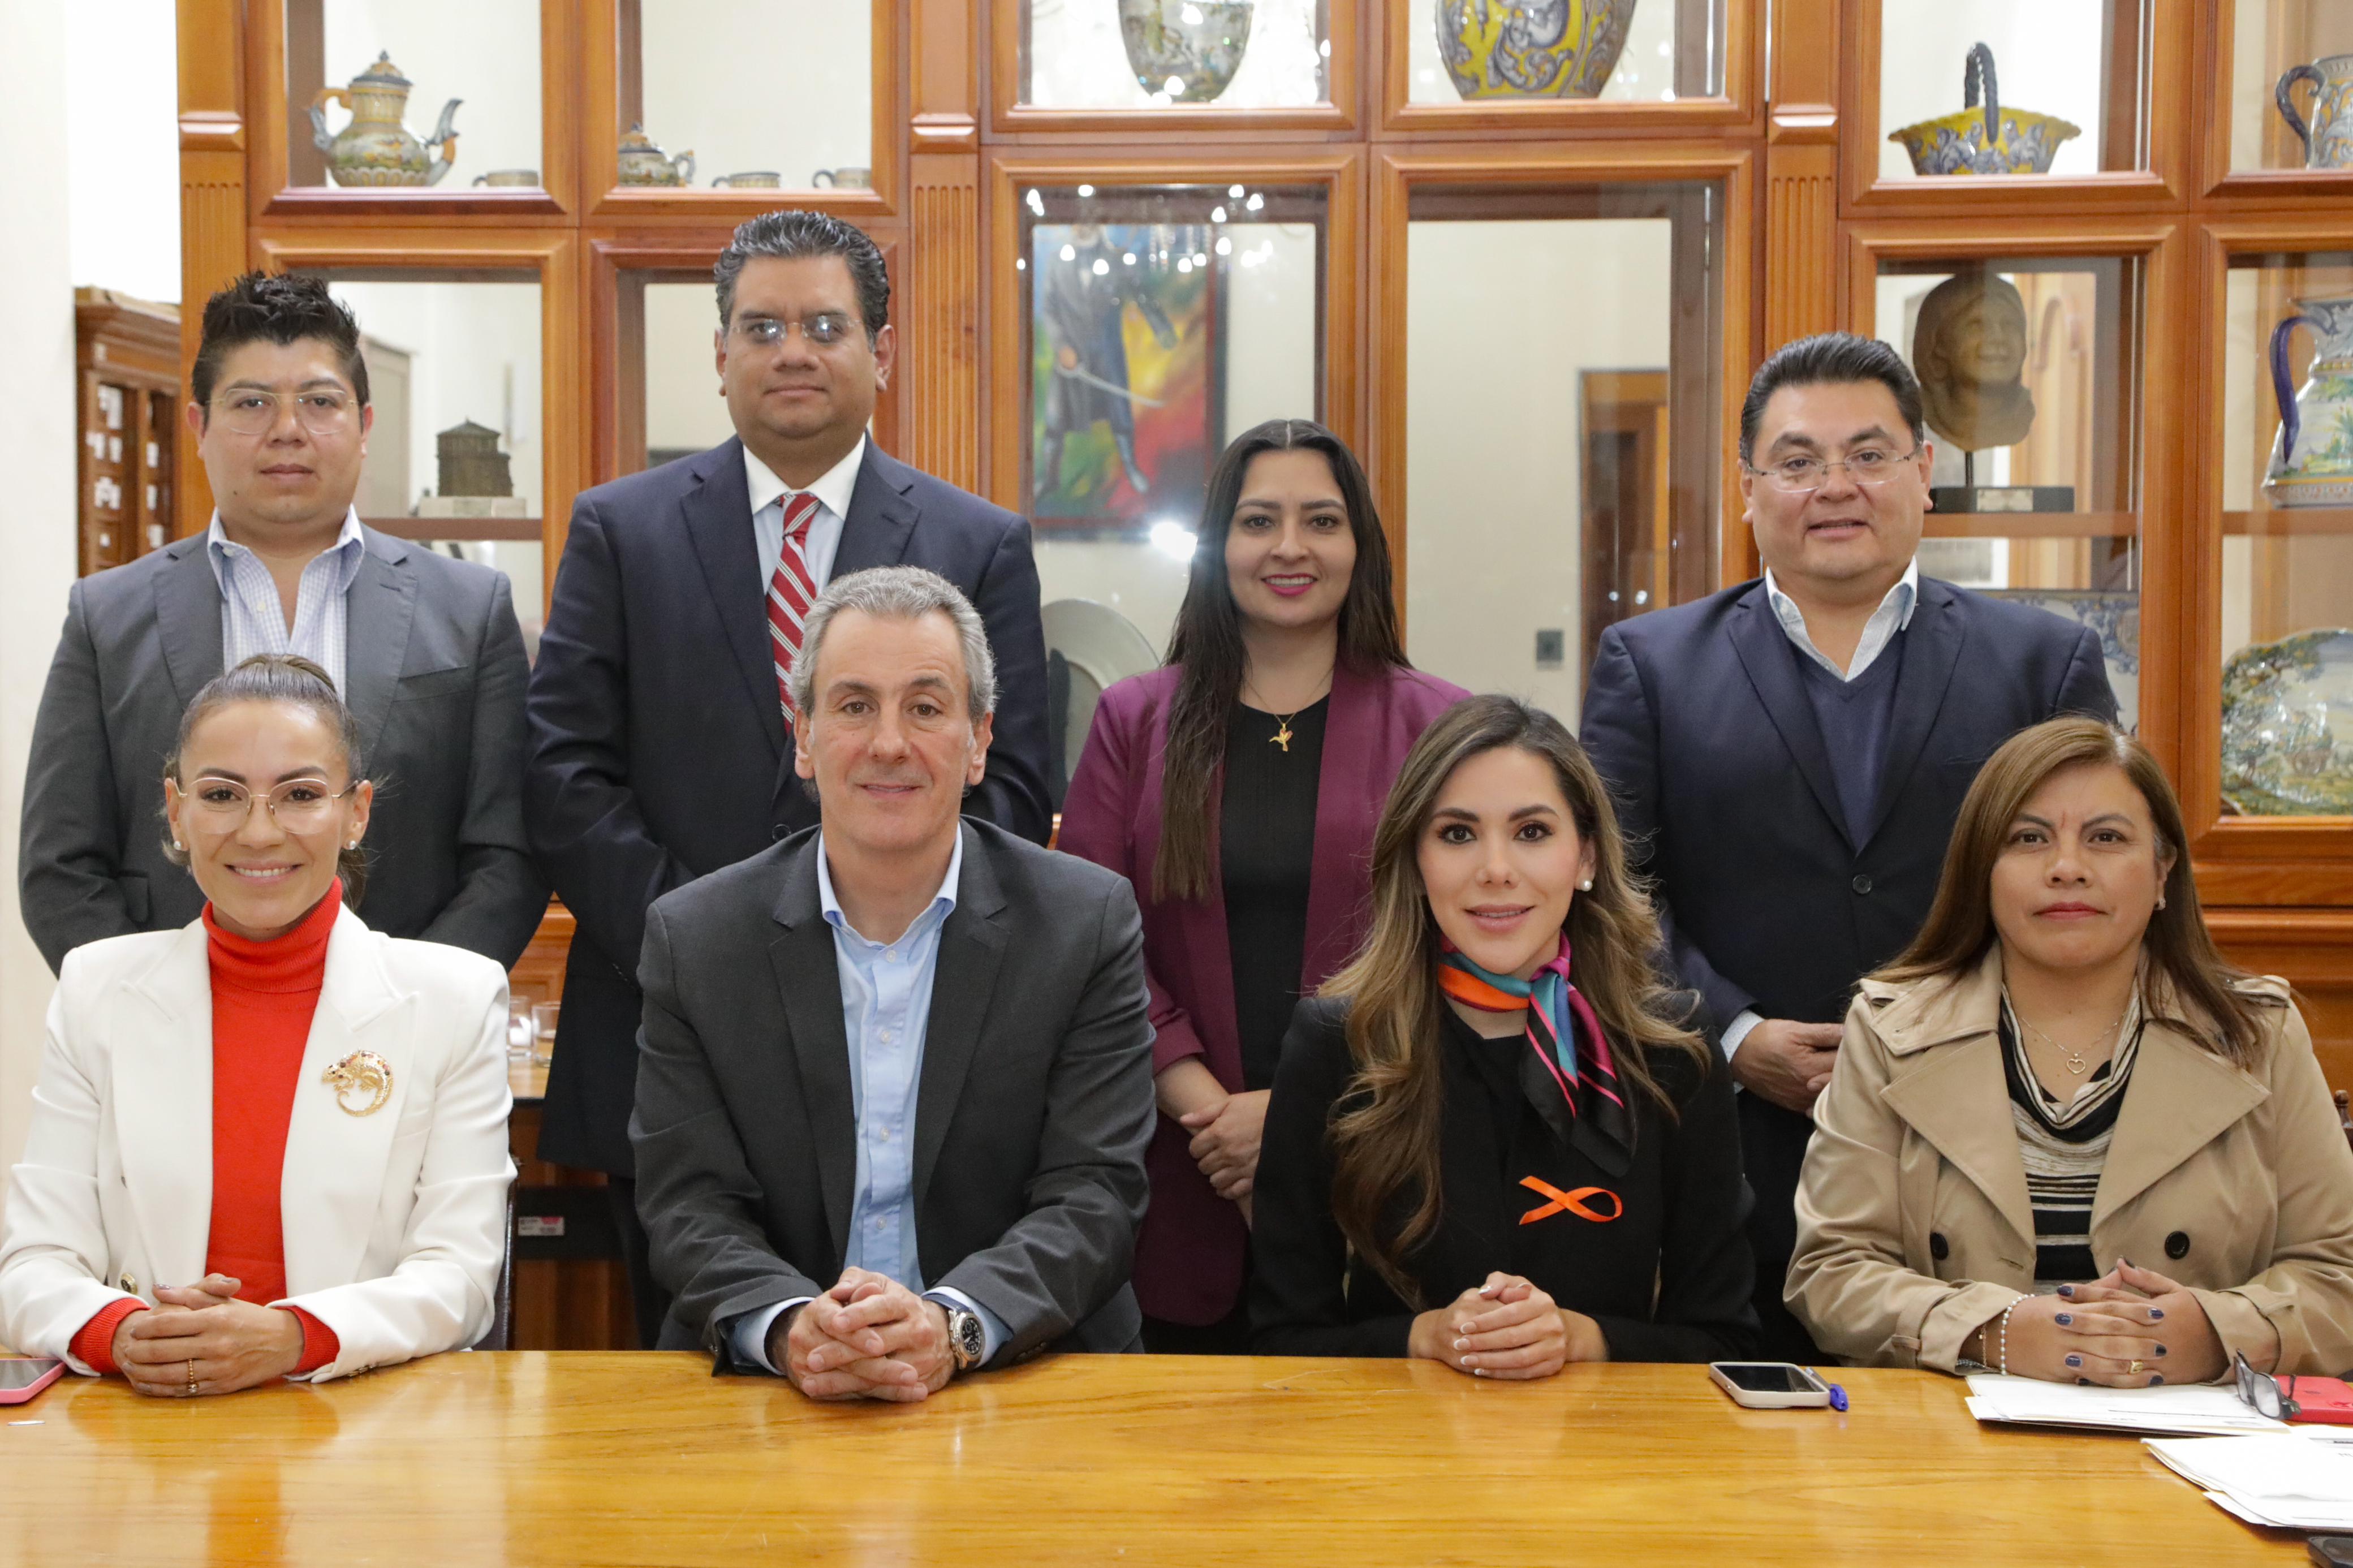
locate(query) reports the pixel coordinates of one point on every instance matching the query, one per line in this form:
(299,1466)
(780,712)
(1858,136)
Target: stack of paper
(2294,1480)
(2188,1411)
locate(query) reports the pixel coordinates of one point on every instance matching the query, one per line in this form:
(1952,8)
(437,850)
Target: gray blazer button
(1862,884)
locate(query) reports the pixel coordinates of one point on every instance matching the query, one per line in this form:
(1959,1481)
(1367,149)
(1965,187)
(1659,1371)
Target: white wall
(683,408)
(1492,439)
(786,85)
(487,56)
(122,161)
(37,446)
(2046,57)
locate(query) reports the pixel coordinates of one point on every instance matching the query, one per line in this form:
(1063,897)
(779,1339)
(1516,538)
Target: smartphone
(21,1377)
(1769,1385)
(2330,1550)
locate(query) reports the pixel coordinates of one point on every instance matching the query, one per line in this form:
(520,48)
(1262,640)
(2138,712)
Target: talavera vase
(2312,456)
(1188,49)
(1532,48)
(1989,140)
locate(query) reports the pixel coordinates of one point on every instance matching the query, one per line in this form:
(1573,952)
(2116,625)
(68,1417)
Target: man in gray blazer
(894,1080)
(424,649)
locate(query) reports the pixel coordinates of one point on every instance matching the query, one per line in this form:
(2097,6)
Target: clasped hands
(1225,1137)
(2131,1328)
(1507,1328)
(200,1338)
(869,1337)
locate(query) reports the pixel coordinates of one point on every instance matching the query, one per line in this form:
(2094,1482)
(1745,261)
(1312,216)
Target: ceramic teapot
(374,148)
(2328,139)
(643,164)
(1992,141)
(1532,48)
(2312,458)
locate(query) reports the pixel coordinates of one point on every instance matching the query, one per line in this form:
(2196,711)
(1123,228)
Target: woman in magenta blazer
(1238,787)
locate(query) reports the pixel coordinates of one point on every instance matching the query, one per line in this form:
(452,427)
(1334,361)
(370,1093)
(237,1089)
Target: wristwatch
(967,1339)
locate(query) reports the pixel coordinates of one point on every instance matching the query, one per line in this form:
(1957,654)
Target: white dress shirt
(1895,613)
(833,489)
(253,617)
(886,1007)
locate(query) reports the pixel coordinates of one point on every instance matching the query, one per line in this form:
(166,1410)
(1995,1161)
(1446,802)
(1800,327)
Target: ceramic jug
(2311,459)
(850,179)
(1991,140)
(1532,48)
(2328,139)
(643,164)
(374,148)
(750,180)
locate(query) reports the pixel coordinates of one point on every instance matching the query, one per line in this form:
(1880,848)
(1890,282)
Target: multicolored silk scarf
(1558,1016)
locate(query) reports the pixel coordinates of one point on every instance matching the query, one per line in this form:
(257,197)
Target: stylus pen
(1838,1391)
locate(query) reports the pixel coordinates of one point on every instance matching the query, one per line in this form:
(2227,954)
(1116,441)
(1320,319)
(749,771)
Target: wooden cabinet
(127,414)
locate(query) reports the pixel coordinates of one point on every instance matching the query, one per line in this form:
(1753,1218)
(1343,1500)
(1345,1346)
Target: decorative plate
(2287,726)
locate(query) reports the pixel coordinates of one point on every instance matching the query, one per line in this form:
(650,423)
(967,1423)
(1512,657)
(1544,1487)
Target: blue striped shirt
(253,617)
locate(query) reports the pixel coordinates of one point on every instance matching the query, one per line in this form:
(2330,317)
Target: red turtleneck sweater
(263,996)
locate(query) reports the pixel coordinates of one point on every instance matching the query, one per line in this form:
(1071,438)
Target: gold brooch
(363,1076)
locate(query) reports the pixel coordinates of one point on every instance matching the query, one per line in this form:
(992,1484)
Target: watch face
(970,1341)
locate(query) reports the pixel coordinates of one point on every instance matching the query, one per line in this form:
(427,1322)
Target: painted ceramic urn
(1188,49)
(2328,138)
(1532,48)
(374,148)
(2312,456)
(1989,140)
(643,164)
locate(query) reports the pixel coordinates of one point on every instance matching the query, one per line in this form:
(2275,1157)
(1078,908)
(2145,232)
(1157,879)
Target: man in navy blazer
(1789,755)
(660,747)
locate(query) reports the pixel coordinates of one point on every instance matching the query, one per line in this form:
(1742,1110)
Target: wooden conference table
(593,1458)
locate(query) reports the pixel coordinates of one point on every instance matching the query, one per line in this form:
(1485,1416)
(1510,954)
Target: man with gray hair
(894,1081)
(662,747)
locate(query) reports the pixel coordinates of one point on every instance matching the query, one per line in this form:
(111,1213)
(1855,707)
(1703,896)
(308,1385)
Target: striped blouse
(2064,1145)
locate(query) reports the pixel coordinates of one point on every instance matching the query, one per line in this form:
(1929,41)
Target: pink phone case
(19,1396)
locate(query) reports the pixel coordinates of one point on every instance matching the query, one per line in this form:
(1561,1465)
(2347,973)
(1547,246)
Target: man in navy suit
(1789,755)
(661,747)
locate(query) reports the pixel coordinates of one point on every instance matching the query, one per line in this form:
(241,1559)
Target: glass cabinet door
(2011,86)
(2287,537)
(1562,465)
(718,93)
(382,95)
(2029,374)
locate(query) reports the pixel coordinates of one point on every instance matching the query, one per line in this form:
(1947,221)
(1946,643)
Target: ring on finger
(190,1367)
(2137,1366)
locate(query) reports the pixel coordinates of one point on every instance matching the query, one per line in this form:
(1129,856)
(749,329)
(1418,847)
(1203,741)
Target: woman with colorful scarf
(1492,1140)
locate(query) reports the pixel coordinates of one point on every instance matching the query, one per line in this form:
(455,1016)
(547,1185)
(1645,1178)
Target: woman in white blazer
(153,1228)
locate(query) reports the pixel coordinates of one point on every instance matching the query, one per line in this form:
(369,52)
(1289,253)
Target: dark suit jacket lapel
(188,619)
(1771,663)
(379,610)
(972,944)
(1932,650)
(802,957)
(882,516)
(718,513)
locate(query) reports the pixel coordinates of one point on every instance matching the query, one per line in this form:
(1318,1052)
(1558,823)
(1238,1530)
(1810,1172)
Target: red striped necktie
(790,592)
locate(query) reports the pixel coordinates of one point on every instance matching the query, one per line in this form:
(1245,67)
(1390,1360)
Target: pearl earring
(1586,886)
(2161,900)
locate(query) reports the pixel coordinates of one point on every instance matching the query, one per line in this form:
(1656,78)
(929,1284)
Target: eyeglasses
(1803,476)
(2261,1390)
(298,805)
(821,331)
(322,411)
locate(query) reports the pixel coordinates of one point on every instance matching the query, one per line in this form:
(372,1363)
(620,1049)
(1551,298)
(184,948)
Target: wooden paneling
(1095,1459)
(940,345)
(2314,949)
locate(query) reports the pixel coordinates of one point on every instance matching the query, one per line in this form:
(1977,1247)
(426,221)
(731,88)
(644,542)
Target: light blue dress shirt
(886,1007)
(1895,613)
(253,619)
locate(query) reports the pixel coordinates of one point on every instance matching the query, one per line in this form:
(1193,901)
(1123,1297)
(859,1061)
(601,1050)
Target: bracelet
(2003,1329)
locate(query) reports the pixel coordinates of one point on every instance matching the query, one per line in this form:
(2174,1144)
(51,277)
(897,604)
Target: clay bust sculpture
(1968,351)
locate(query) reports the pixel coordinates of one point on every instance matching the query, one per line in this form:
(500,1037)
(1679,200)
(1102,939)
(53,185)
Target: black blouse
(1266,852)
(1668,1280)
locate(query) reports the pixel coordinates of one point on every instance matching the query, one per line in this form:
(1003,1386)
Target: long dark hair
(1387,1142)
(295,682)
(1207,644)
(2179,949)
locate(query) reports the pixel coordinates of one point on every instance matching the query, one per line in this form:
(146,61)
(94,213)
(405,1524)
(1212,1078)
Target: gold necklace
(2077,1063)
(1283,734)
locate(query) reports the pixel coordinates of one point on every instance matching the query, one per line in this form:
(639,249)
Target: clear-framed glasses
(820,330)
(298,805)
(251,411)
(2263,1391)
(1868,466)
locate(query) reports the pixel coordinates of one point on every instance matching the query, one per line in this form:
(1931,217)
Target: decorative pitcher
(1994,141)
(2328,139)
(374,148)
(1532,48)
(643,164)
(2311,459)
(1188,49)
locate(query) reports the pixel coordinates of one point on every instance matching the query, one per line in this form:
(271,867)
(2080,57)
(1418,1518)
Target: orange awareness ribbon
(1573,1203)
